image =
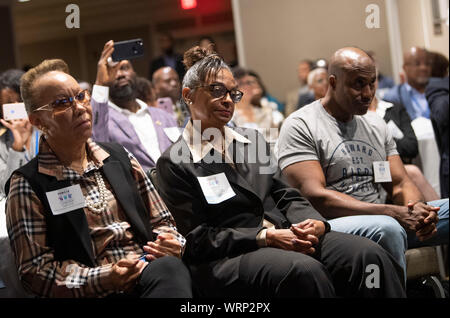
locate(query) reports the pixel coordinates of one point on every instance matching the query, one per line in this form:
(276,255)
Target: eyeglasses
(63,104)
(220,91)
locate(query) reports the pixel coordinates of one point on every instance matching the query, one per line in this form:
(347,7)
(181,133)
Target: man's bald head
(352,75)
(350,59)
(162,72)
(411,55)
(417,67)
(167,83)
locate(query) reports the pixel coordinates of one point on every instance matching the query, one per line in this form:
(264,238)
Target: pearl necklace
(102,204)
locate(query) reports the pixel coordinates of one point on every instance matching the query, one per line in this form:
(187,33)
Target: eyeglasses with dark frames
(218,90)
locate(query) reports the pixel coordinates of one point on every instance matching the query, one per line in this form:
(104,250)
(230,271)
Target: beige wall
(278,34)
(416,25)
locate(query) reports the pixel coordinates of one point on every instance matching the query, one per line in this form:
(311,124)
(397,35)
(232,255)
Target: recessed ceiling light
(23,0)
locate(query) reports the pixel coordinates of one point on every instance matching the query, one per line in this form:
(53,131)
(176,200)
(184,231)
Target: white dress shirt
(143,125)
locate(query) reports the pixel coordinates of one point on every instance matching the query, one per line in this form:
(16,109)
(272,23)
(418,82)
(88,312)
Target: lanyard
(36,143)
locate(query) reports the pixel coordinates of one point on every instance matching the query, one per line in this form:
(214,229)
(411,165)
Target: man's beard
(120,94)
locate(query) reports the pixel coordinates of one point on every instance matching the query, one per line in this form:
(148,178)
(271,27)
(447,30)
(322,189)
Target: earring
(44,130)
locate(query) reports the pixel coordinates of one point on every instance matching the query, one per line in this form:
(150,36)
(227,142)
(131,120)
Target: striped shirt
(110,231)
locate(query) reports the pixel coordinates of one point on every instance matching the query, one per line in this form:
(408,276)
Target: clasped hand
(422,219)
(126,271)
(299,237)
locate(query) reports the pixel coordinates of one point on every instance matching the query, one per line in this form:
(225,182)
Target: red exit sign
(188,4)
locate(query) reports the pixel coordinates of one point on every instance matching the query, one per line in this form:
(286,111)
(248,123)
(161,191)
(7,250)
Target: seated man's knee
(390,229)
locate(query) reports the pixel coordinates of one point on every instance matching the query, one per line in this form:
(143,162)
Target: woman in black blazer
(248,233)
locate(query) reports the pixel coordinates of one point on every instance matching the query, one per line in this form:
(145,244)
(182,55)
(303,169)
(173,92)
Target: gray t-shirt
(346,151)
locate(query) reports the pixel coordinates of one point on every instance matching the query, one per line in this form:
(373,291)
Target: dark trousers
(165,277)
(341,266)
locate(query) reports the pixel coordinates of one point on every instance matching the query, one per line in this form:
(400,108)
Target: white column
(237,19)
(427,22)
(395,42)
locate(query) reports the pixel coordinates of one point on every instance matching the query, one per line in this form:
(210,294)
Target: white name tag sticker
(173,133)
(216,188)
(382,171)
(66,199)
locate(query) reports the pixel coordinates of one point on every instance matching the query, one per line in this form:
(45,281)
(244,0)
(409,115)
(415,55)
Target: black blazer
(227,229)
(407,146)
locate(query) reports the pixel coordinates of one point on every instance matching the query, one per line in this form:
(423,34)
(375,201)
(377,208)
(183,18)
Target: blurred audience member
(167,84)
(207,42)
(145,91)
(168,58)
(411,95)
(318,85)
(267,99)
(249,112)
(145,131)
(437,95)
(292,98)
(19,141)
(399,125)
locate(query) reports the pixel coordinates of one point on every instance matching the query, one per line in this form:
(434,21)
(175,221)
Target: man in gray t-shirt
(346,150)
(338,157)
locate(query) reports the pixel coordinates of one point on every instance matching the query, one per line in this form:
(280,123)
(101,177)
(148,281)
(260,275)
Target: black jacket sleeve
(291,203)
(438,100)
(407,147)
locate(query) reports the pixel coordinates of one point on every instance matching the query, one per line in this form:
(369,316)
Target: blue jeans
(383,229)
(442,226)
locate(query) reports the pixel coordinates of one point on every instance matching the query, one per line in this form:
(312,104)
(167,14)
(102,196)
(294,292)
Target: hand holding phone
(127,50)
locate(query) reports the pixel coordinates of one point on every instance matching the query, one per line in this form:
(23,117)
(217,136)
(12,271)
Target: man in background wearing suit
(417,67)
(145,131)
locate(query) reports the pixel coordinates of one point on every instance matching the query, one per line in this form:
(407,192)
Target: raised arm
(100,94)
